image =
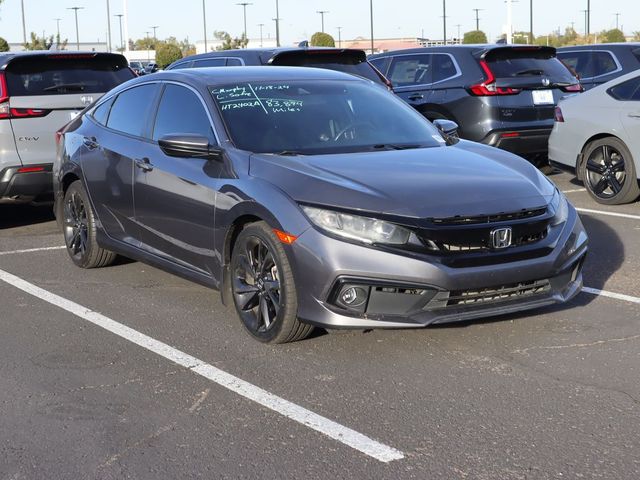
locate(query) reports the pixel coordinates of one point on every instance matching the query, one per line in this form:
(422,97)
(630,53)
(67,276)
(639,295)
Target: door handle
(416,96)
(90,142)
(144,164)
(634,115)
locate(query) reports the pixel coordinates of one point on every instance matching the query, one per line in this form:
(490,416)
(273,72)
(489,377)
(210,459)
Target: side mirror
(448,129)
(187,145)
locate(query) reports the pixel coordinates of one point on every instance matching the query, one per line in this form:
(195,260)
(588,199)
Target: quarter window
(101,113)
(411,70)
(234,62)
(629,90)
(442,67)
(130,110)
(603,63)
(181,111)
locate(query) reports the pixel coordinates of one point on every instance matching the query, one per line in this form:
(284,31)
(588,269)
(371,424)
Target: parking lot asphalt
(88,391)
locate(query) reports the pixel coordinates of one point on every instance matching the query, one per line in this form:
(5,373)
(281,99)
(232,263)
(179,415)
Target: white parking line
(617,296)
(611,214)
(321,424)
(575,190)
(31,250)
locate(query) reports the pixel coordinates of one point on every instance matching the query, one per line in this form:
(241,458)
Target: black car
(346,60)
(596,64)
(311,197)
(499,95)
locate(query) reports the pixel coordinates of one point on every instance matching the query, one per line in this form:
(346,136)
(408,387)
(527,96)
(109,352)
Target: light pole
(339,37)
(531,22)
(509,21)
(371,20)
(148,46)
(155,39)
(204,23)
(586,29)
(617,17)
(444,21)
(458,25)
(261,25)
(588,18)
(244,13)
(477,17)
(24,25)
(277,19)
(58,28)
(120,15)
(108,28)
(75,11)
(322,12)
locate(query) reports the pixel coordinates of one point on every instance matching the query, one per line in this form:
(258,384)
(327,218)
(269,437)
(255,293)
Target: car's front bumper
(405,291)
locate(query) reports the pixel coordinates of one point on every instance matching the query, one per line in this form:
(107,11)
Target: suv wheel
(263,288)
(80,230)
(609,173)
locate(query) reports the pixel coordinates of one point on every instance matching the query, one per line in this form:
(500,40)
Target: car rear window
(62,74)
(516,62)
(353,64)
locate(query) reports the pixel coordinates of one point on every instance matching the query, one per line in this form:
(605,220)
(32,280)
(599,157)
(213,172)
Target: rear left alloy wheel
(263,288)
(609,173)
(79,230)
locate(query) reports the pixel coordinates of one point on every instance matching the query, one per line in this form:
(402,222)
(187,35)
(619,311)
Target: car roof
(264,53)
(7,57)
(602,46)
(222,75)
(473,47)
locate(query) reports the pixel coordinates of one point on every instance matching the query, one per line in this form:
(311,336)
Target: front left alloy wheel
(263,287)
(79,230)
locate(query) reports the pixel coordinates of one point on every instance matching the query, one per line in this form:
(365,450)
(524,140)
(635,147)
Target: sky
(299,20)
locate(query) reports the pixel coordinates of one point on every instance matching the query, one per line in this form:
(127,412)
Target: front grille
(499,217)
(483,296)
(483,245)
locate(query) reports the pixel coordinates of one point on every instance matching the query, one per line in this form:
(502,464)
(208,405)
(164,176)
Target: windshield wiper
(290,153)
(531,71)
(392,146)
(76,87)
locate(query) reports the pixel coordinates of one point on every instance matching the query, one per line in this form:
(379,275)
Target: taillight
(557,115)
(4,97)
(27,112)
(576,87)
(488,87)
(7,112)
(30,169)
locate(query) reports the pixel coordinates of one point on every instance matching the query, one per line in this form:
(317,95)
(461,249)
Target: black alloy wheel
(263,287)
(80,230)
(608,172)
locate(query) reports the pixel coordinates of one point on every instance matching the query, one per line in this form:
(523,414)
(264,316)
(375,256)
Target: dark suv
(346,60)
(499,95)
(596,64)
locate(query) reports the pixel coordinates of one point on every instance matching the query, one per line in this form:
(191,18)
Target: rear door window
(443,67)
(579,62)
(234,62)
(129,113)
(408,70)
(181,111)
(210,62)
(60,74)
(603,63)
(505,63)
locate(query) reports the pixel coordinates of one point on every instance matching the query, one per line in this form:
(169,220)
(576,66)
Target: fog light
(353,297)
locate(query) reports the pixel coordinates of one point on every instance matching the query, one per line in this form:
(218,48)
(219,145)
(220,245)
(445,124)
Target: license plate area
(542,97)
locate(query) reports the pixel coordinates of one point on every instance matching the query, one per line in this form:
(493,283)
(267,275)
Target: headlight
(560,207)
(355,227)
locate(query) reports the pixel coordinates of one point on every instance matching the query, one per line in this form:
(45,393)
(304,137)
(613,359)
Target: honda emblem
(501,237)
(546,82)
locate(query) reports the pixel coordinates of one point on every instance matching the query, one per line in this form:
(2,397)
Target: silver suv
(40,92)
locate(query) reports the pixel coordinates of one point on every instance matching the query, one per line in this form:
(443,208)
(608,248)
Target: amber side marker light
(285,237)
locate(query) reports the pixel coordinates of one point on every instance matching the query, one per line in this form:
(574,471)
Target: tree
(614,35)
(4,46)
(321,39)
(229,43)
(521,37)
(44,43)
(636,36)
(474,36)
(146,43)
(167,53)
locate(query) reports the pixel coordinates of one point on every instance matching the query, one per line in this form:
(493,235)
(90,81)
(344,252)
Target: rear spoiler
(283,55)
(489,53)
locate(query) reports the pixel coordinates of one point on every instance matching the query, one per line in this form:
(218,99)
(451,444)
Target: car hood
(466,179)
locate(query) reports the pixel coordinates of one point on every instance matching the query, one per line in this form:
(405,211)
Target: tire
(609,173)
(263,288)
(79,230)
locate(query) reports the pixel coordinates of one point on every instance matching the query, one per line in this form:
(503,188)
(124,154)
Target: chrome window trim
(613,55)
(412,86)
(195,61)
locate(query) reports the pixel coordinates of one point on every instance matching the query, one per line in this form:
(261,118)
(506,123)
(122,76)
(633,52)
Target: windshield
(314,117)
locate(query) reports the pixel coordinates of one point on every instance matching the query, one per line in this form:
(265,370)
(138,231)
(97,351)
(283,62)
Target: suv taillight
(576,87)
(488,87)
(7,112)
(557,115)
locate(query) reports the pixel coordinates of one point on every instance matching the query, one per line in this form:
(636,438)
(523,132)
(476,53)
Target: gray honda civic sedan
(309,197)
